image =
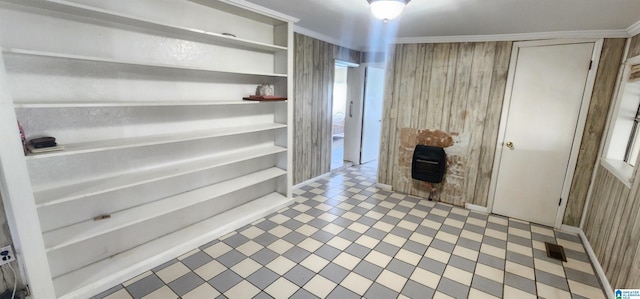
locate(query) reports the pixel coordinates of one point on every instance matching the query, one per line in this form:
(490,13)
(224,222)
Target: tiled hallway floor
(344,238)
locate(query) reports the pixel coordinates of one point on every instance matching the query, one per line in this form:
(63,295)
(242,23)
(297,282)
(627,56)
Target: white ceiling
(348,22)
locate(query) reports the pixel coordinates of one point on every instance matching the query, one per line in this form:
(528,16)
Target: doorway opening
(338,116)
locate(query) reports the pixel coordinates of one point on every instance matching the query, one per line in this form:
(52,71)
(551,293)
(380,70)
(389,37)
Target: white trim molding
(309,181)
(592,34)
(634,29)
(384,187)
(592,256)
(322,37)
(476,208)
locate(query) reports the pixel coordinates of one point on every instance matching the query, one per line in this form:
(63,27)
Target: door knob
(509,144)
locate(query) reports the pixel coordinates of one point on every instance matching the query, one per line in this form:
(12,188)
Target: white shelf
(120,18)
(135,104)
(81,190)
(132,62)
(113,144)
(82,231)
(101,275)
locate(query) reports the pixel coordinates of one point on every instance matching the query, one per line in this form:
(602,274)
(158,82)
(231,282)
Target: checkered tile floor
(344,238)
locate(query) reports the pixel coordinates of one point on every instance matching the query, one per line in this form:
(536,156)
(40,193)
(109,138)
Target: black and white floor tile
(345,238)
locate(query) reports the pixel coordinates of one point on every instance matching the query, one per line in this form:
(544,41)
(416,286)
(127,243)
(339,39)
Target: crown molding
(515,37)
(261,9)
(322,37)
(634,29)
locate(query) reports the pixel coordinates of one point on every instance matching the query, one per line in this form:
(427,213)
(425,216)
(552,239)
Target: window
(623,142)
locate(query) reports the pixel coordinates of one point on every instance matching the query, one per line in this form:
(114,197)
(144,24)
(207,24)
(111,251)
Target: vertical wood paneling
(443,92)
(611,208)
(383,161)
(612,51)
(313,93)
(634,46)
(612,221)
(492,122)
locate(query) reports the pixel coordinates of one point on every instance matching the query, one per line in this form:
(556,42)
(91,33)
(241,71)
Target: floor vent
(555,251)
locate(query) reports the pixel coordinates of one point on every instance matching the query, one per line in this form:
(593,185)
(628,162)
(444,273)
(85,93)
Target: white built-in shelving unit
(160,153)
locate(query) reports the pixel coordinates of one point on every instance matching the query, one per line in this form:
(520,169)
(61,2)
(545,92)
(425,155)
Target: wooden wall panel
(448,95)
(612,52)
(609,226)
(612,218)
(313,76)
(634,46)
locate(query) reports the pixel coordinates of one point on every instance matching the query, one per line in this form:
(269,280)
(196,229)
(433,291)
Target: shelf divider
(122,143)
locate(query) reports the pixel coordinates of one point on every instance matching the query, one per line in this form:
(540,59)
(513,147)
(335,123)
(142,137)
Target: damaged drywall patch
(456,146)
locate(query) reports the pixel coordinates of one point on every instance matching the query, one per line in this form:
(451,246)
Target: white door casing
(546,101)
(372,119)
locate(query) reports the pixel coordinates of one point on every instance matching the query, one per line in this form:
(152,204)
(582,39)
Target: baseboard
(309,181)
(383,186)
(592,256)
(476,208)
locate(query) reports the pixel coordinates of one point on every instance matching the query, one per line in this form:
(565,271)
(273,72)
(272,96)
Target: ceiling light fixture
(386,10)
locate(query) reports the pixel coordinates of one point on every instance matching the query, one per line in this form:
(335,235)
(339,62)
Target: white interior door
(548,87)
(372,120)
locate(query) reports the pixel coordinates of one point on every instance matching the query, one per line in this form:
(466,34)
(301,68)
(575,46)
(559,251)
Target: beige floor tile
(356,283)
(217,250)
(249,248)
(162,293)
(476,294)
(210,270)
(438,255)
(490,272)
(246,267)
(426,278)
(310,244)
(367,241)
(347,261)
(244,289)
(585,290)
(320,286)
(314,263)
(520,270)
(458,275)
(203,291)
(281,288)
(466,253)
(377,258)
(549,292)
(281,265)
(391,280)
(338,243)
(408,257)
(172,272)
(510,292)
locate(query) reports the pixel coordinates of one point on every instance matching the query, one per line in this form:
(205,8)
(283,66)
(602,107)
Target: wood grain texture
(634,46)
(608,226)
(313,76)
(612,52)
(437,92)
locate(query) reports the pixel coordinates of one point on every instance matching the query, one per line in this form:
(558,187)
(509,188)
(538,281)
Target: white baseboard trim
(592,256)
(383,186)
(309,181)
(570,229)
(476,208)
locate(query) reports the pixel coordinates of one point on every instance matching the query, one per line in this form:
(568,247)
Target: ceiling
(349,23)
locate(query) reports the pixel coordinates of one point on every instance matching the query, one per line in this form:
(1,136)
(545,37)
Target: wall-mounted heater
(429,164)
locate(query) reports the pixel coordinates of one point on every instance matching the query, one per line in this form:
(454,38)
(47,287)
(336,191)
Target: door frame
(582,117)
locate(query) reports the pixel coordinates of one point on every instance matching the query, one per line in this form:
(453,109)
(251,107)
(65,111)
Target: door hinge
(560,202)
(590,64)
